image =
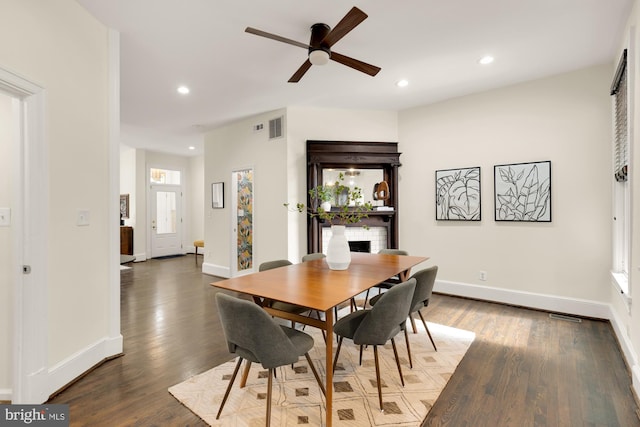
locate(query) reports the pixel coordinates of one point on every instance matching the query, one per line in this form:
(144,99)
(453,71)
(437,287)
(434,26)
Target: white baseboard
(553,303)
(140,257)
(5,394)
(74,366)
(627,349)
(635,378)
(216,270)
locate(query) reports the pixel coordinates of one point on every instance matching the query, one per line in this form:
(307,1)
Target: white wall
(140,220)
(36,36)
(128,180)
(196,188)
(564,119)
(235,147)
(280,175)
(304,123)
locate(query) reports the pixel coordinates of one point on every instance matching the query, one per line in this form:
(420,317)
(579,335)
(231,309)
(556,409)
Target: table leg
(328,315)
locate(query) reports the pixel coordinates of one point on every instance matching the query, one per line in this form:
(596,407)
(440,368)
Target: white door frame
(30,235)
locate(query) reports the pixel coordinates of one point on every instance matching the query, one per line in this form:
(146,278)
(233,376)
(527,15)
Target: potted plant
(324,195)
(349,209)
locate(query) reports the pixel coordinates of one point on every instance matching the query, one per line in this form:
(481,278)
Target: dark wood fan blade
(275,37)
(372,70)
(298,74)
(351,20)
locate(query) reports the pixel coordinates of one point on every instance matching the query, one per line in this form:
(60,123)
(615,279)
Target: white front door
(166,220)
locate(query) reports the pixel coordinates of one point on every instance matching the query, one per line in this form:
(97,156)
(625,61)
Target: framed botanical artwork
(458,194)
(217,195)
(124,206)
(523,192)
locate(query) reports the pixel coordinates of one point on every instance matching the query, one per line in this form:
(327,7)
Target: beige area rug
(297,399)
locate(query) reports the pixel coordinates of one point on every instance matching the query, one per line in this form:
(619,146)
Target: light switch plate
(83,218)
(5,217)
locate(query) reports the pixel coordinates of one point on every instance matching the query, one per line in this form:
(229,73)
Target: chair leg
(361,349)
(335,359)
(395,353)
(315,373)
(269,385)
(375,356)
(428,333)
(366,298)
(413,324)
(245,374)
(226,393)
(196,256)
(406,339)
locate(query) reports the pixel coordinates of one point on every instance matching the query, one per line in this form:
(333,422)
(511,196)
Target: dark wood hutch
(325,155)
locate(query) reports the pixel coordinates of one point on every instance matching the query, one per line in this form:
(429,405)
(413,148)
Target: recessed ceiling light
(402,83)
(183,90)
(487,59)
(192,148)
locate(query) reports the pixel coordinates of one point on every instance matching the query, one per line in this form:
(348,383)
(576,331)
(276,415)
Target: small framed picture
(217,195)
(124,206)
(523,192)
(458,194)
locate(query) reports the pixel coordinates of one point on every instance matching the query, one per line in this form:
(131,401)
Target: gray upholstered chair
(254,336)
(268,265)
(392,280)
(378,325)
(312,256)
(278,305)
(425,279)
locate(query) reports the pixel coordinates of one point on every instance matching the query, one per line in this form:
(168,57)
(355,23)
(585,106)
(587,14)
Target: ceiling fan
(322,39)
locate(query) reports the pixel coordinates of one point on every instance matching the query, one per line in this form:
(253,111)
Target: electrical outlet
(483,275)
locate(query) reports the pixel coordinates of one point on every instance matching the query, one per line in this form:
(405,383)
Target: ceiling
(434,44)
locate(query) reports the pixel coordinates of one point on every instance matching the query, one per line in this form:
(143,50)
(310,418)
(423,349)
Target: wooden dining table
(312,284)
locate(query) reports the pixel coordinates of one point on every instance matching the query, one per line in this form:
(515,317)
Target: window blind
(621,142)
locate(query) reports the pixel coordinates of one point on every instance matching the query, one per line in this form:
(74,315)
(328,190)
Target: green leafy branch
(349,208)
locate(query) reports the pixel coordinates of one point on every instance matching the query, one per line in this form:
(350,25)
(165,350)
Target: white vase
(326,206)
(338,253)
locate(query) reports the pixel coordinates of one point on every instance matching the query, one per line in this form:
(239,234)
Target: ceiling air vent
(275,128)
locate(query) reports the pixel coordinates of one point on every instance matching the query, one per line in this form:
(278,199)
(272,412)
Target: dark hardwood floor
(523,369)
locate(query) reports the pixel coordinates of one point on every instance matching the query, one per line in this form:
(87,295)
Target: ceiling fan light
(318,57)
(486,60)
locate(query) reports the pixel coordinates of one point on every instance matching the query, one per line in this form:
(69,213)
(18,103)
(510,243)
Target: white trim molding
(635,378)
(553,303)
(216,270)
(82,361)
